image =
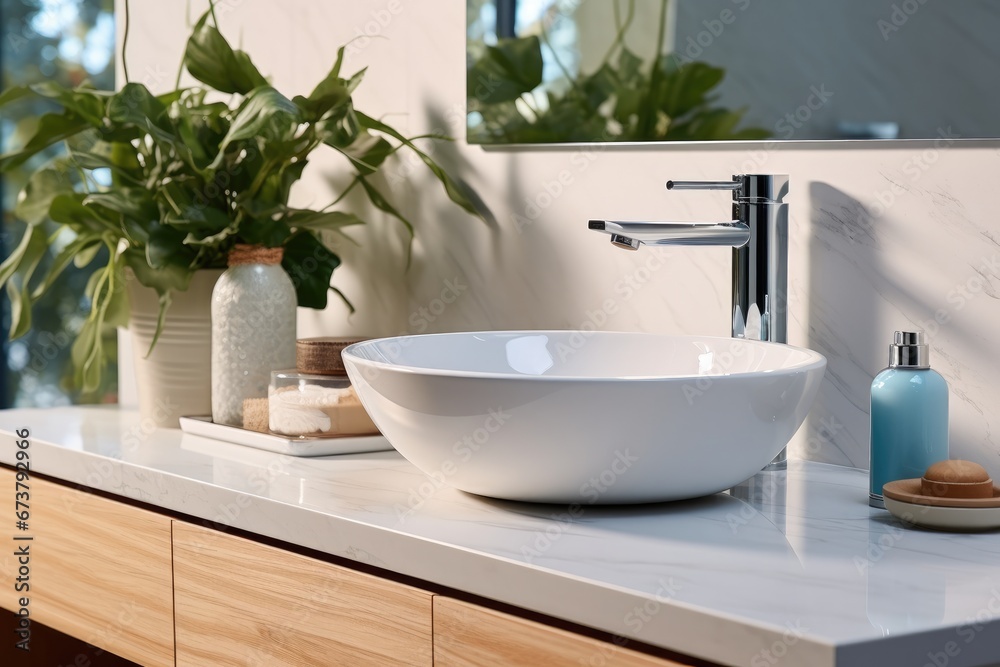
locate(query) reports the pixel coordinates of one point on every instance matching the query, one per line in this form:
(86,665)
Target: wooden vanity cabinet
(241,602)
(468,635)
(160,592)
(98,570)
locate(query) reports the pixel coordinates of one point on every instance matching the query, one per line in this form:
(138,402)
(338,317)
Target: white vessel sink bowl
(599,417)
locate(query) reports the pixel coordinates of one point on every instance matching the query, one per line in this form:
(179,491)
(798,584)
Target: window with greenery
(67,41)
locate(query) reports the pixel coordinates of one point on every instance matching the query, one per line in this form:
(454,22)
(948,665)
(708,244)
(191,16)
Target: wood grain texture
(467,635)
(240,602)
(8,561)
(100,571)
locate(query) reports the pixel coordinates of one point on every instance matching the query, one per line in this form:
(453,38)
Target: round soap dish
(952,495)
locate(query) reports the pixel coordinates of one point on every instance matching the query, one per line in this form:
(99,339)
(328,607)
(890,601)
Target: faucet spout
(758,236)
(624,242)
(733,234)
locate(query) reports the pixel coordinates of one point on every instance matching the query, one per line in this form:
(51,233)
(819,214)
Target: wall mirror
(557,71)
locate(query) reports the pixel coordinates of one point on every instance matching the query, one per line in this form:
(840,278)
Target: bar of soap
(956,479)
(255,414)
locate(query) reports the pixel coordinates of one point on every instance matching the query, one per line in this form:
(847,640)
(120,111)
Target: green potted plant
(160,187)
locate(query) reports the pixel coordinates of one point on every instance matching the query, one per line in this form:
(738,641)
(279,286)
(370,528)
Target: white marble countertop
(790,569)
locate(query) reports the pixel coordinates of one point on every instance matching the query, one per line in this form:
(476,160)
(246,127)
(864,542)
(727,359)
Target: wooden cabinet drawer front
(467,635)
(100,570)
(8,561)
(242,603)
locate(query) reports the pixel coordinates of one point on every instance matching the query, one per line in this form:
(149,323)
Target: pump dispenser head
(909,350)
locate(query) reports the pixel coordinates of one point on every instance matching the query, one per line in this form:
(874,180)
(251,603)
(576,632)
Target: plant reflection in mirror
(627,98)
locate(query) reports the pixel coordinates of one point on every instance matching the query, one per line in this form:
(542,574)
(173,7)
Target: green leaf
(598,87)
(329,93)
(265,112)
(243,163)
(247,74)
(170,277)
(719,123)
(36,198)
(368,152)
(89,150)
(83,102)
(87,252)
(11,262)
(686,88)
(164,302)
(20,310)
(339,130)
(87,103)
(278,185)
(82,246)
(183,122)
(135,105)
(628,104)
(381,203)
(165,281)
(34,237)
(335,70)
(264,231)
(52,128)
(134,203)
(629,67)
(202,219)
(91,160)
(210,59)
(116,313)
(168,98)
(343,297)
(322,220)
(456,192)
(165,248)
(506,71)
(210,239)
(86,341)
(106,290)
(310,265)
(18,282)
(377,153)
(15,93)
(714,125)
(69,210)
(355,80)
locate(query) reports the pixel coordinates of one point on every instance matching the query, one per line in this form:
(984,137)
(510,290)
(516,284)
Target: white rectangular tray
(283,444)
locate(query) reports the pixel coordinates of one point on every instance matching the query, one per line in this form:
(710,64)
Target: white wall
(854,277)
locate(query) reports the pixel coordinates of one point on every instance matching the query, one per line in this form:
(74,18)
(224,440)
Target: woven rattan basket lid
(321,356)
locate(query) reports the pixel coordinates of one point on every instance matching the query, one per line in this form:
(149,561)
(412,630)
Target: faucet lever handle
(705,185)
(759,188)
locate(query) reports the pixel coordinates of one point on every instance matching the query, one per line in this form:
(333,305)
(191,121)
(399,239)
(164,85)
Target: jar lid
(321,356)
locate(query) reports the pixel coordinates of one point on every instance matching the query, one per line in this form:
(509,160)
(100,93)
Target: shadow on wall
(843,323)
(500,257)
(871,275)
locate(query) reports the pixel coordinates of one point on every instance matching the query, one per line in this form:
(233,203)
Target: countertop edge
(662,622)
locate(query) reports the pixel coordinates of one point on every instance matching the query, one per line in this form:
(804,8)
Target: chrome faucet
(758,235)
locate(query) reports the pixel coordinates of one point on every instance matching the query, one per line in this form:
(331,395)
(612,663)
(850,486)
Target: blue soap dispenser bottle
(909,415)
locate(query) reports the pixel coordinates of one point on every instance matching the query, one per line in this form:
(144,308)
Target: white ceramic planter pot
(176,378)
